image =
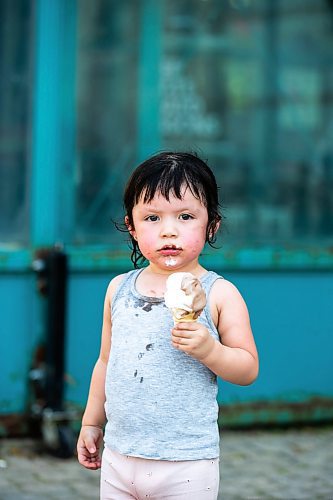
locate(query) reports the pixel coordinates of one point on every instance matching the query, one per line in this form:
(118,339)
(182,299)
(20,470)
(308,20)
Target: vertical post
(56,327)
(53,121)
(149,140)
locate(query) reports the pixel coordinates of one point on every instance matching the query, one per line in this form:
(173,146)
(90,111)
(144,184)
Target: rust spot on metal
(314,410)
(13,425)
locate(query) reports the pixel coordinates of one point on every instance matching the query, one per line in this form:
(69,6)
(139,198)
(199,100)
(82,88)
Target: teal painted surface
(291,311)
(86,298)
(53,124)
(149,140)
(46,159)
(291,318)
(291,315)
(19,329)
(51,188)
(101,258)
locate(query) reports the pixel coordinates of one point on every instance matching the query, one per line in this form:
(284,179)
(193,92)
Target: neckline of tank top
(147,298)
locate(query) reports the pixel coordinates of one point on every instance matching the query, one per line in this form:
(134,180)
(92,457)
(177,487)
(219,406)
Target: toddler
(155,383)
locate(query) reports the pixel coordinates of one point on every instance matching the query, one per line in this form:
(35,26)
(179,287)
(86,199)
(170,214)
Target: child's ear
(217,226)
(131,229)
(214,229)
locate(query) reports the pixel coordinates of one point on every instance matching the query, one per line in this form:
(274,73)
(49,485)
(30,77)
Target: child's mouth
(170,250)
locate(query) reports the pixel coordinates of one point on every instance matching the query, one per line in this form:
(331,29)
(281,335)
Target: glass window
(15,91)
(246,83)
(107,112)
(249,84)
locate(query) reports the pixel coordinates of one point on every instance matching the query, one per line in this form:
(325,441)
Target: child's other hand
(88,446)
(192,338)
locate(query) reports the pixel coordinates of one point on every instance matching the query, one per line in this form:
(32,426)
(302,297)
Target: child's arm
(235,359)
(91,435)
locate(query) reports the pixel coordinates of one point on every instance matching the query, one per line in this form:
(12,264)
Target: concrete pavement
(281,464)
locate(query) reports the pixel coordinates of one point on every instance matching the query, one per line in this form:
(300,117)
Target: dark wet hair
(167,173)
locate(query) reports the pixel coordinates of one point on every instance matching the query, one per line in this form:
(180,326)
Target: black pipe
(56,265)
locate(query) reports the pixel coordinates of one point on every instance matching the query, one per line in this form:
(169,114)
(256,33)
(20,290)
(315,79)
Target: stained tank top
(160,402)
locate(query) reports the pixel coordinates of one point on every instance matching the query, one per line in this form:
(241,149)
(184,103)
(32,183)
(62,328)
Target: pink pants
(124,477)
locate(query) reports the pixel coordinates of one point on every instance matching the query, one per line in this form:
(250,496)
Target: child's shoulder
(223,290)
(115,283)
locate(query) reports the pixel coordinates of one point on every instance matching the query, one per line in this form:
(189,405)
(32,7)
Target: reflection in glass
(15,38)
(107,108)
(246,83)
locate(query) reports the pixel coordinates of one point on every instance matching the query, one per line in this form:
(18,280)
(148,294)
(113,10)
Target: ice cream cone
(186,318)
(184,297)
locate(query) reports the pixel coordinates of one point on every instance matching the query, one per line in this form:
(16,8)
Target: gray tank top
(160,402)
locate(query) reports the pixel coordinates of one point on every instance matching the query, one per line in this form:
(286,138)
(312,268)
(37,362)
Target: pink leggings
(124,478)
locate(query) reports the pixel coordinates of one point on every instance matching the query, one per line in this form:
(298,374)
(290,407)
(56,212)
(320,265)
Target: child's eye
(152,218)
(185,216)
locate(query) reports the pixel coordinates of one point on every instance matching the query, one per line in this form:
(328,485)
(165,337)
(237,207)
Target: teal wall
(288,287)
(291,318)
(17,331)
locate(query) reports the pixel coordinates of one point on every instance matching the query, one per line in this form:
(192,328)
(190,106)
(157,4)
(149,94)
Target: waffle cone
(177,318)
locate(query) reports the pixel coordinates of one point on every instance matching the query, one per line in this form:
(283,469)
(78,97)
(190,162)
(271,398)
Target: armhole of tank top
(207,308)
(127,276)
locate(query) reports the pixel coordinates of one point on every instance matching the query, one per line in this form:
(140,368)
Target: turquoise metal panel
(149,140)
(14,259)
(291,312)
(53,131)
(293,325)
(85,311)
(19,329)
(97,258)
(68,39)
(46,158)
(292,320)
(52,190)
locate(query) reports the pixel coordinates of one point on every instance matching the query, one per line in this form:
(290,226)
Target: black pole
(56,327)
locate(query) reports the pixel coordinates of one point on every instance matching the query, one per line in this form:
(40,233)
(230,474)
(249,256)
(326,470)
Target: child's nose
(169,229)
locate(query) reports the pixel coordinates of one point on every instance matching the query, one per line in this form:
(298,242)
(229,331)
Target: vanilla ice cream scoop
(184,296)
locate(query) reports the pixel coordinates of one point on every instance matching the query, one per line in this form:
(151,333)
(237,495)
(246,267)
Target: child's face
(171,234)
